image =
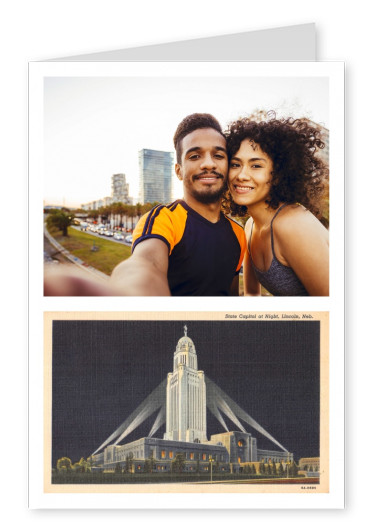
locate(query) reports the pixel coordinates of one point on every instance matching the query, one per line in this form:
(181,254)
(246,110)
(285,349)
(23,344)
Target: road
(102,236)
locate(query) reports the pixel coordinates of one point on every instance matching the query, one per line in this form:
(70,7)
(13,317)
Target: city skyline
(95,127)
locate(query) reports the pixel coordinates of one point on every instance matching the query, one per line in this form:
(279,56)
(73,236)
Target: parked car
(108,232)
(118,236)
(128,239)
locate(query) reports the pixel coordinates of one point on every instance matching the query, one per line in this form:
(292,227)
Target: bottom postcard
(186,402)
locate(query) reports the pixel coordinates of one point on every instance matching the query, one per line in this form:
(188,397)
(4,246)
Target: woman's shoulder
(248,226)
(295,220)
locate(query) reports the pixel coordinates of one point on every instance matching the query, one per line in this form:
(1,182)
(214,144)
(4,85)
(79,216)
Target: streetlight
(211,468)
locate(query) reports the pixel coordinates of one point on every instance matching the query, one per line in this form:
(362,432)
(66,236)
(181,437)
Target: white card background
(330,78)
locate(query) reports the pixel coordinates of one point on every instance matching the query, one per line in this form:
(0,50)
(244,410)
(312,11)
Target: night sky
(103,370)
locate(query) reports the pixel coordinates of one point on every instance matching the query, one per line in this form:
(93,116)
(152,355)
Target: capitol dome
(185,343)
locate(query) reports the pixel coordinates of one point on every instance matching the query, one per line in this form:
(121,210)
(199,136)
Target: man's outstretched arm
(145,272)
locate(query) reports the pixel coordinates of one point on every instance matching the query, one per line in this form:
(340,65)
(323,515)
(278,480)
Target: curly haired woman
(276,178)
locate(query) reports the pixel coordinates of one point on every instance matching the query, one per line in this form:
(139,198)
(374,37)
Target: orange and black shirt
(204,257)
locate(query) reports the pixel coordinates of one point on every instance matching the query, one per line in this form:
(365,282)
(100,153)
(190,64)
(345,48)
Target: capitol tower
(185,396)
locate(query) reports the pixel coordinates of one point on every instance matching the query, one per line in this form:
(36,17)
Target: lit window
(204,457)
(191,455)
(171,455)
(163,454)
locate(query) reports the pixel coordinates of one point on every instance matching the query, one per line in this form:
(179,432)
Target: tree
(129,463)
(138,210)
(198,464)
(118,469)
(82,465)
(293,470)
(149,465)
(60,220)
(93,214)
(64,464)
(117,211)
(131,211)
(178,463)
(104,212)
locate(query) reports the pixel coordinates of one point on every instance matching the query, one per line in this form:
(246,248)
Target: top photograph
(186,185)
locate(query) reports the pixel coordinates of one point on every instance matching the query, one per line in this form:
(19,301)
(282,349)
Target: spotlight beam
(159,421)
(230,414)
(156,398)
(217,394)
(213,408)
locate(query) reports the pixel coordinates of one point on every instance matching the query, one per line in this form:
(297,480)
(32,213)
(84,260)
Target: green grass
(108,255)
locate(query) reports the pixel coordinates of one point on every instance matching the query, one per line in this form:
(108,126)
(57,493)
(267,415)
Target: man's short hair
(190,124)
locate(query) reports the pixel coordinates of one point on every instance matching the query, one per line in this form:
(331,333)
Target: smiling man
(189,247)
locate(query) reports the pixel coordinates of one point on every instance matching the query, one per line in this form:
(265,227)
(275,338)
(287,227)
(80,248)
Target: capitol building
(180,403)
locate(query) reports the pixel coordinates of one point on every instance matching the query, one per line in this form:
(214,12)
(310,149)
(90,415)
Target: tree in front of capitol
(178,463)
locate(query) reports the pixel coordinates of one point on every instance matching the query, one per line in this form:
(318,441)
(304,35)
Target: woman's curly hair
(298,175)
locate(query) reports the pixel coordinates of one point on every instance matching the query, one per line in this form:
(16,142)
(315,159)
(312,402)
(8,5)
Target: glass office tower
(156,171)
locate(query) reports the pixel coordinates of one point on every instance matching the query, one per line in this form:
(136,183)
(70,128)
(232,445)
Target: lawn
(106,256)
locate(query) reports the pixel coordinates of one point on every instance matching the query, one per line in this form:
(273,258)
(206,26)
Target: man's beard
(211,195)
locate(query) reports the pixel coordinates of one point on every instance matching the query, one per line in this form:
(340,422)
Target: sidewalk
(73,259)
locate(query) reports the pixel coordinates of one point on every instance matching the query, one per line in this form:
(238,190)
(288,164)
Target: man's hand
(70,281)
(145,272)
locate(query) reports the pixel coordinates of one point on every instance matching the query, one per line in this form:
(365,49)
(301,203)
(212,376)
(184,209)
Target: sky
(95,126)
(103,370)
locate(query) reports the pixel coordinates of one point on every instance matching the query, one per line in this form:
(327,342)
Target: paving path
(54,253)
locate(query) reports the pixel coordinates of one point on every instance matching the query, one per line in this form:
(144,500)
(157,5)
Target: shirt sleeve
(162,224)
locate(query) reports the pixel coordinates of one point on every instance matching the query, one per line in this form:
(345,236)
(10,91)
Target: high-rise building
(185,396)
(156,172)
(120,188)
(120,194)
